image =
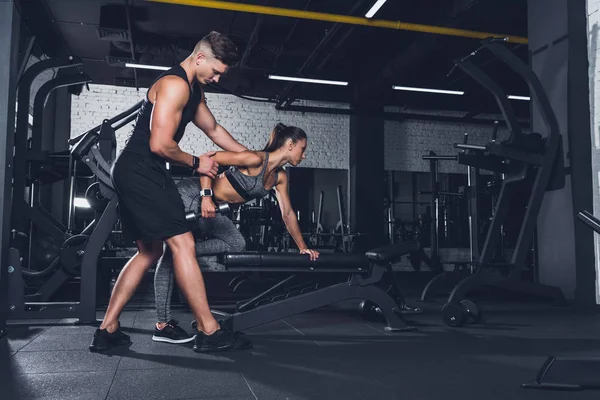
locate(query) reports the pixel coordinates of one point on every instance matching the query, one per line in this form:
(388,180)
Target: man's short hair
(221,47)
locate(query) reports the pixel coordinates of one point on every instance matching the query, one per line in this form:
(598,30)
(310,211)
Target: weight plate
(473,313)
(454,314)
(95,198)
(370,311)
(71,254)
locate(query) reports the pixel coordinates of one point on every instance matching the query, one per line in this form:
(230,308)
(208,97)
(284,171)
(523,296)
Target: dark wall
(305,186)
(558,48)
(367,215)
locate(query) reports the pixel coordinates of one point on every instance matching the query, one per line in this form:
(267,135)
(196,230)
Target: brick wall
(594,77)
(248,121)
(407,141)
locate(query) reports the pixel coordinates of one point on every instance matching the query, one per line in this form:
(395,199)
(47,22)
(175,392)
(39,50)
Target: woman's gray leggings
(223,237)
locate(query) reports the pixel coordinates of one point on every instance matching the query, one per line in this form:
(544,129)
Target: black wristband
(195,163)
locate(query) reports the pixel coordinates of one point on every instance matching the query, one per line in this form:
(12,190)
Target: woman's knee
(237,242)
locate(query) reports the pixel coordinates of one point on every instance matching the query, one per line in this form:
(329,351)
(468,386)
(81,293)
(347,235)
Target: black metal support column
(366,190)
(62,131)
(558,38)
(9,43)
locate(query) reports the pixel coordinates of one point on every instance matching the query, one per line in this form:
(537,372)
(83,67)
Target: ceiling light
(144,66)
(511,97)
(306,80)
(375,8)
(414,89)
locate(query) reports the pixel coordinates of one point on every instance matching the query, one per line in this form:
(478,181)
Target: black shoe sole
(99,349)
(210,349)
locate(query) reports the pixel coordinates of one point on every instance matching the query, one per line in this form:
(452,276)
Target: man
(151,209)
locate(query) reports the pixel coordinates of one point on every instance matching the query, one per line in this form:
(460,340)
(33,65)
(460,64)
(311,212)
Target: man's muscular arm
(170,98)
(205,120)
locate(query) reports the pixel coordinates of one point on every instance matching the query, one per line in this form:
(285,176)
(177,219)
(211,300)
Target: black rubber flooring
(330,353)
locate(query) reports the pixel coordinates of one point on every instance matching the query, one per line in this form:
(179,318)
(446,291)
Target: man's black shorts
(149,204)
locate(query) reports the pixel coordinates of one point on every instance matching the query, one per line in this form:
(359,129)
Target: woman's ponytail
(280,134)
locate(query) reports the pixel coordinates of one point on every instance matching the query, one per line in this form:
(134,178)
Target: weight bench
(366,271)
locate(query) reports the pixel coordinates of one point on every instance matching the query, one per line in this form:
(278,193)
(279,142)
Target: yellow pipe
(343,19)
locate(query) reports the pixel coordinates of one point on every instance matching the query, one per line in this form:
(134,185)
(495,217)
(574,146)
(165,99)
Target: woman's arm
(289,216)
(207,205)
(238,159)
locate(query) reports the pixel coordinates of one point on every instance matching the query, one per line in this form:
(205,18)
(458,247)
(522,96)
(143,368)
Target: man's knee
(151,251)
(183,243)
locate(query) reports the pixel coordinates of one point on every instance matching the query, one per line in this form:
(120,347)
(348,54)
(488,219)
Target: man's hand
(313,253)
(208,208)
(208,166)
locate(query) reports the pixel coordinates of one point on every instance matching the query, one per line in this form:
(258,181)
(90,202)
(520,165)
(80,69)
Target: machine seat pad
(326,261)
(392,252)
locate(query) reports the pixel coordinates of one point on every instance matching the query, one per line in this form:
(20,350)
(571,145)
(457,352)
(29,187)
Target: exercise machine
(462,269)
(79,253)
(521,158)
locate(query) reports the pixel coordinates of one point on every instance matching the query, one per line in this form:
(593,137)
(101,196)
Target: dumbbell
(459,314)
(222,208)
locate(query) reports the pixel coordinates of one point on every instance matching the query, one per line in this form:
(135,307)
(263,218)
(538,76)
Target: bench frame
(360,285)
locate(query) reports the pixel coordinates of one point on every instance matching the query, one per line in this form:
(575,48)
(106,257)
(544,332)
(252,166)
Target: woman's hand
(313,253)
(208,208)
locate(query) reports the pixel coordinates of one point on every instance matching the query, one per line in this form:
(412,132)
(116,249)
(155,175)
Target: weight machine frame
(486,273)
(87,148)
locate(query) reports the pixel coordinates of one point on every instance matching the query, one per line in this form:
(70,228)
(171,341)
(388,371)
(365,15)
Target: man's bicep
(204,118)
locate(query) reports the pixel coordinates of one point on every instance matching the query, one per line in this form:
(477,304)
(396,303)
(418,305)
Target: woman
(252,176)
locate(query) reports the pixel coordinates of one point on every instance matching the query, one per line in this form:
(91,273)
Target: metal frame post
(9,45)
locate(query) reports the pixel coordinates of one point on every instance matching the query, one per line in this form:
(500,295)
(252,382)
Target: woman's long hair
(281,133)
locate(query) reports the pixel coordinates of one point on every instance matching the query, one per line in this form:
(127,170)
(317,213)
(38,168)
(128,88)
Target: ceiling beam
(252,41)
(289,35)
(131,45)
(414,55)
(344,19)
(283,97)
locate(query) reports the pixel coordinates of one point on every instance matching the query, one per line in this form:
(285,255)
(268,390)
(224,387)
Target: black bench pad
(392,252)
(269,261)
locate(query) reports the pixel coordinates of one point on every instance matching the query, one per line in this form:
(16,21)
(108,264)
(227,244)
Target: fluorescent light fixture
(81,202)
(307,80)
(145,66)
(512,97)
(375,8)
(414,89)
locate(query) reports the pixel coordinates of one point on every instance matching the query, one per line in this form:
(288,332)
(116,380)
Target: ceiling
(371,59)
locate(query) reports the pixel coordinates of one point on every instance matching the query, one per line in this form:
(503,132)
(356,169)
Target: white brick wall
(593,7)
(248,121)
(406,142)
(251,122)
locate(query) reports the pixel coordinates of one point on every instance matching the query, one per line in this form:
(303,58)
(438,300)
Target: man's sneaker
(221,340)
(172,333)
(103,340)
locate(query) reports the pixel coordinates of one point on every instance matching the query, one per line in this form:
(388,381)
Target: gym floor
(331,353)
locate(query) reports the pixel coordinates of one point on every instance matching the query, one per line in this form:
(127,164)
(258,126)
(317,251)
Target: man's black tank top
(139,140)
